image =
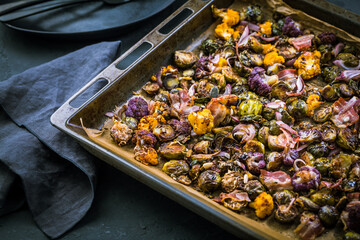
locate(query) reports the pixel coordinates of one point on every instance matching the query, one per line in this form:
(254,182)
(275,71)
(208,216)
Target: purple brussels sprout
(327,38)
(290,157)
(255,162)
(144,138)
(305,179)
(291,28)
(257,81)
(181,127)
(351,216)
(137,108)
(309,135)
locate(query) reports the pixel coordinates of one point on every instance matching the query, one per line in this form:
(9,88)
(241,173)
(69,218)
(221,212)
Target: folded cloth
(58,176)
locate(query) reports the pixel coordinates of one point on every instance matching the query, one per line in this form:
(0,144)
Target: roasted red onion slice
(349,74)
(338,48)
(252,27)
(340,63)
(299,87)
(276,104)
(270,39)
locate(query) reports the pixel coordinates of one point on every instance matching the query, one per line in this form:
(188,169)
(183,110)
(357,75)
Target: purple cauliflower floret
(144,138)
(137,108)
(351,216)
(291,28)
(181,127)
(327,38)
(290,157)
(309,135)
(305,179)
(255,162)
(257,82)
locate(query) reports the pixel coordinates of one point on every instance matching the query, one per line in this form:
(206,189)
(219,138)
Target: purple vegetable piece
(327,38)
(255,162)
(181,127)
(290,157)
(204,67)
(351,216)
(291,28)
(305,179)
(309,135)
(349,74)
(137,108)
(144,138)
(257,82)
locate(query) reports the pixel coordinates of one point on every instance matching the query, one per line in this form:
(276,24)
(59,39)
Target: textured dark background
(123,208)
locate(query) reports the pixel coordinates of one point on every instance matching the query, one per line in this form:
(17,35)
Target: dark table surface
(123,207)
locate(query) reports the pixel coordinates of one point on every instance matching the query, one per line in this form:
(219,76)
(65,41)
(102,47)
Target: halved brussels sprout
(322,165)
(170,81)
(340,165)
(131,122)
(250,107)
(184,59)
(256,59)
(268,113)
(328,216)
(276,143)
(274,161)
(255,45)
(242,69)
(274,128)
(283,197)
(347,139)
(297,109)
(254,146)
(219,79)
(164,132)
(307,204)
(322,114)
(349,59)
(151,88)
(329,93)
(231,181)
(279,90)
(254,13)
(172,150)
(254,188)
(263,135)
(175,168)
(328,132)
(209,46)
(323,197)
(318,149)
(286,214)
(209,181)
(231,76)
(202,147)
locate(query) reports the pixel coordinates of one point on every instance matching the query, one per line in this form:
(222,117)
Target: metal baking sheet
(132,70)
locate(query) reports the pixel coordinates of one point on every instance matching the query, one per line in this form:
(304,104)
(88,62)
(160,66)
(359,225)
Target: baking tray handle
(135,54)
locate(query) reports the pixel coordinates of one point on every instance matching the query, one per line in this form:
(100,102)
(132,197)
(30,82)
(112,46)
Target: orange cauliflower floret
(202,122)
(313,103)
(231,17)
(224,31)
(308,64)
(149,122)
(263,205)
(273,57)
(266,28)
(268,48)
(222,62)
(146,155)
(159,108)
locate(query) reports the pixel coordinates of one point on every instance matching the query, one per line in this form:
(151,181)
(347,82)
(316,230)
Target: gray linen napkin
(58,176)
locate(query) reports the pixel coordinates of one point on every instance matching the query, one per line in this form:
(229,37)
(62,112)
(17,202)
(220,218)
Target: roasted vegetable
(137,108)
(209,181)
(184,59)
(202,122)
(263,205)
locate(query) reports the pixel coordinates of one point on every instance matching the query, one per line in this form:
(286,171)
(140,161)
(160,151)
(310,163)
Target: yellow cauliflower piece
(146,156)
(313,103)
(202,122)
(266,28)
(268,48)
(273,57)
(224,31)
(149,122)
(308,64)
(222,62)
(263,205)
(231,17)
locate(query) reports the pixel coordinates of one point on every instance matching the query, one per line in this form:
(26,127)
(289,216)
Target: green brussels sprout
(325,51)
(318,149)
(352,236)
(242,69)
(322,165)
(275,143)
(184,59)
(350,49)
(219,79)
(228,50)
(307,204)
(347,139)
(307,157)
(238,89)
(254,188)
(274,128)
(274,161)
(263,135)
(288,52)
(250,107)
(323,197)
(268,113)
(255,45)
(306,125)
(209,46)
(231,76)
(194,171)
(328,215)
(202,147)
(245,59)
(162,96)
(329,93)
(274,69)
(175,168)
(349,59)
(254,13)
(349,185)
(254,146)
(345,90)
(170,81)
(330,73)
(276,28)
(283,197)
(209,181)
(131,122)
(231,181)
(297,109)
(328,132)
(286,214)
(207,136)
(280,89)
(151,88)
(340,165)
(256,59)
(164,132)
(172,150)
(322,114)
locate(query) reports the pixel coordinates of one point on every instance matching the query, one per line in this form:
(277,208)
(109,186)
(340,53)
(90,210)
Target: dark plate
(89,19)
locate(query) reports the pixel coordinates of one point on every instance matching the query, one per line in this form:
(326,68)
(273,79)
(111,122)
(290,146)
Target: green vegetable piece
(250,107)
